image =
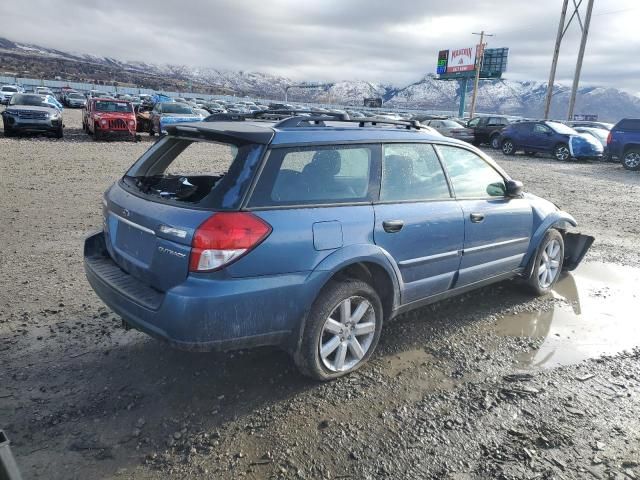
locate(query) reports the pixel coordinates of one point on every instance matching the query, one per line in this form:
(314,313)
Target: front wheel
(547,263)
(508,148)
(631,159)
(59,133)
(561,152)
(342,330)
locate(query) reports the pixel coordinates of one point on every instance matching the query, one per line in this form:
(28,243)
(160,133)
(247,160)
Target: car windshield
(176,108)
(9,89)
(121,107)
(561,128)
(76,95)
(31,100)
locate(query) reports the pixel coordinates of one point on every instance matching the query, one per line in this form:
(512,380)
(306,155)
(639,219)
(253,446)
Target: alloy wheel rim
(549,266)
(507,147)
(347,334)
(562,153)
(632,160)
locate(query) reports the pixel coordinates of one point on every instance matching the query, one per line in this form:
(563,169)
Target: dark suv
(623,143)
(487,129)
(310,233)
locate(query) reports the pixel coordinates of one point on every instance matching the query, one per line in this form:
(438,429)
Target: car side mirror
(514,188)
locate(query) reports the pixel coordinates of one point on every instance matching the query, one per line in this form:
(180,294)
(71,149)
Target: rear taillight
(223,238)
(609,138)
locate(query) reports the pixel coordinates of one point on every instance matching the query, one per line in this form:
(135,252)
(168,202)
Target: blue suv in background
(623,143)
(310,232)
(561,141)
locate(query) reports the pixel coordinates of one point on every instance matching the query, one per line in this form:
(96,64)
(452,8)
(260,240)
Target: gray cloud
(391,42)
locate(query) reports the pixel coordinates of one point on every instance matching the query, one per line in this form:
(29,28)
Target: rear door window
(412,172)
(316,175)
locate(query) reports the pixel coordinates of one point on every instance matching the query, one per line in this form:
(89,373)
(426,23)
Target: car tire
(8,131)
(561,152)
(547,263)
(631,159)
(338,325)
(97,135)
(495,141)
(508,147)
(59,133)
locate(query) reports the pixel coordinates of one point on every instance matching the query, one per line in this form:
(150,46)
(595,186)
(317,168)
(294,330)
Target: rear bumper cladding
(199,314)
(576,246)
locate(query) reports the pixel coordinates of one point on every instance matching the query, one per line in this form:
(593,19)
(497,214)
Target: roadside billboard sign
(462,59)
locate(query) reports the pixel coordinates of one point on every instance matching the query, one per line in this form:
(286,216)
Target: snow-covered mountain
(503,96)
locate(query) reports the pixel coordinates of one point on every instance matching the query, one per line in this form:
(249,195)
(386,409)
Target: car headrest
(398,166)
(324,163)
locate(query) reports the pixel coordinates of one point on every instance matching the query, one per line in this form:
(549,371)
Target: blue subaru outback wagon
(310,232)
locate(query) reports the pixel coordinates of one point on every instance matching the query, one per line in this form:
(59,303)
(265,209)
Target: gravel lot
(454,392)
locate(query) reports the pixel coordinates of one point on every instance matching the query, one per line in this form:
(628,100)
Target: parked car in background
(74,100)
(107,117)
(7,91)
(43,91)
(450,128)
(245,257)
(170,113)
(556,138)
(487,129)
(623,143)
(30,113)
(600,134)
(590,124)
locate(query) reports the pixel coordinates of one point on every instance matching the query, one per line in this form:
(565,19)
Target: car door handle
(392,226)
(476,217)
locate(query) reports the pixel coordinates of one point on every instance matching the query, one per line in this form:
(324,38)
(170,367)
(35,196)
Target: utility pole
(583,44)
(554,62)
(479,58)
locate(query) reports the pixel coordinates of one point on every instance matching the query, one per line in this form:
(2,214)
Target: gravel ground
(446,396)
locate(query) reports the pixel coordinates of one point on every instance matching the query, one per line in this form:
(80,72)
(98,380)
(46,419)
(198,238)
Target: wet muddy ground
(492,385)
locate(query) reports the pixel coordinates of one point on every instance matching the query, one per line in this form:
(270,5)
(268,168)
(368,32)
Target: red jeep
(103,117)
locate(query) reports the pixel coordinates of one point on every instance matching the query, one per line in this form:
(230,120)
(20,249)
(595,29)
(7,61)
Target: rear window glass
(628,124)
(318,175)
(195,173)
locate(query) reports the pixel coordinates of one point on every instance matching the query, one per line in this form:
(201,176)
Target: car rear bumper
(201,314)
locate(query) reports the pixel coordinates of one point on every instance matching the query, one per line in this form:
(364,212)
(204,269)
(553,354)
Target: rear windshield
(197,174)
(628,124)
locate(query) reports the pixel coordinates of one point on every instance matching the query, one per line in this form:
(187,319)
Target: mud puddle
(596,312)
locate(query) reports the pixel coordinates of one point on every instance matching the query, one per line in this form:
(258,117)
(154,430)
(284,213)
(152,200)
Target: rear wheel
(631,159)
(508,148)
(342,330)
(495,141)
(561,152)
(548,262)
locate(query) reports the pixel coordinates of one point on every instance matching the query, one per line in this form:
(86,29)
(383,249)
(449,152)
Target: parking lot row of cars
(126,116)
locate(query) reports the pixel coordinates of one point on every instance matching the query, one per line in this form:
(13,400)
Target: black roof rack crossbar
(285,113)
(408,124)
(292,118)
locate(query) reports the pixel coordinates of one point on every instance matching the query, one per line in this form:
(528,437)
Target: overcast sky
(390,41)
